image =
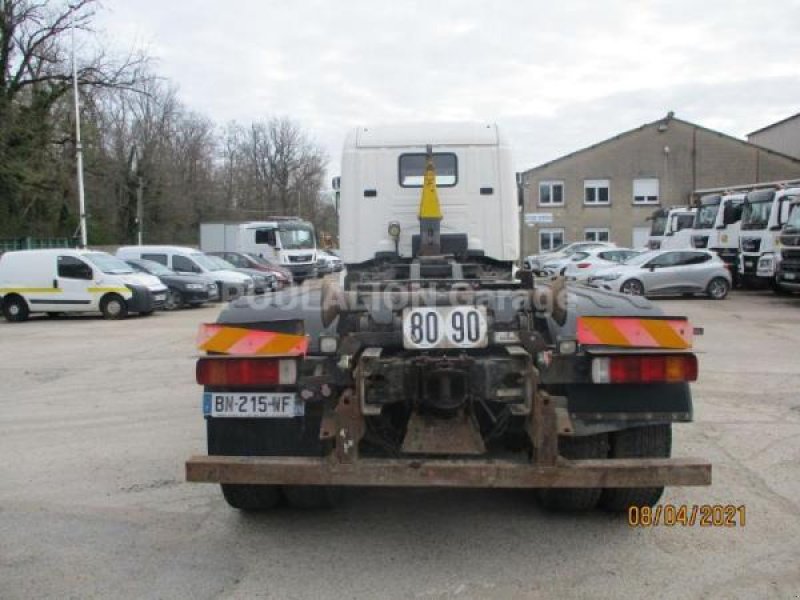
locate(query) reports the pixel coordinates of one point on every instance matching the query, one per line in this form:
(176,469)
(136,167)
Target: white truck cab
(191,261)
(290,242)
(717,225)
(381,181)
(65,280)
(788,277)
(765,213)
(671,227)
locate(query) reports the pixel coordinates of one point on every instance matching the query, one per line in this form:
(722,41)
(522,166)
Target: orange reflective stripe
(667,335)
(243,342)
(603,331)
(633,332)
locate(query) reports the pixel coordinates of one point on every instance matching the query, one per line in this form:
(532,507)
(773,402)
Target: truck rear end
(431,366)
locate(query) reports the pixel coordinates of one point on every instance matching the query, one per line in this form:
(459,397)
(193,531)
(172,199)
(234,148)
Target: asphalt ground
(97,417)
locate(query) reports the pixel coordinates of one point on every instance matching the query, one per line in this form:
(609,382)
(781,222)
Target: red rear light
(653,368)
(246,372)
(584,265)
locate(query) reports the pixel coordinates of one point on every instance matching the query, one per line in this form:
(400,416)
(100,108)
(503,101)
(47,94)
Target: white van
(65,280)
(189,260)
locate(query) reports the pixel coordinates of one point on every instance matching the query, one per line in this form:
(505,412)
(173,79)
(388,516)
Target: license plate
(160,297)
(788,275)
(426,328)
(266,405)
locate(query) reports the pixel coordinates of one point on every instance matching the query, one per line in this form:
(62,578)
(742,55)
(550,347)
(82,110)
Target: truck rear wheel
(251,497)
(653,441)
(270,437)
(575,499)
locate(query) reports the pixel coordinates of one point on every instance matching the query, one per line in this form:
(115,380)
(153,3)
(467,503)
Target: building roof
(781,122)
(665,121)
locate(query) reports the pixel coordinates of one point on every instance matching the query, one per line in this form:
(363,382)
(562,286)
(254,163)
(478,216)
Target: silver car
(667,272)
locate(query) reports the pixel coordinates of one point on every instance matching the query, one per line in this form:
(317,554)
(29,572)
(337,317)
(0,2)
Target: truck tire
(270,437)
(653,441)
(15,309)
(251,497)
(575,499)
(113,307)
(779,290)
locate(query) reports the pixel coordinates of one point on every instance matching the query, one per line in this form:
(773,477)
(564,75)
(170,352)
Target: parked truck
(669,227)
(717,224)
(765,212)
(431,365)
(287,241)
(788,277)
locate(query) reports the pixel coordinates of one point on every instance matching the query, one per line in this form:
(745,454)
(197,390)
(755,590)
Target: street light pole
(139,209)
(139,204)
(79,148)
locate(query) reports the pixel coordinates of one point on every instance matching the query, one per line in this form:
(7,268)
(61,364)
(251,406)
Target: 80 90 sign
(426,328)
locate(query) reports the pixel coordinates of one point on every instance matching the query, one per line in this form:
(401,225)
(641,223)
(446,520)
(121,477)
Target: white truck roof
(420,134)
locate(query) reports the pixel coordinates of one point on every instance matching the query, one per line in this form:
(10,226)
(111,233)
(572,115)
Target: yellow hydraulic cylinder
(429,203)
(430,212)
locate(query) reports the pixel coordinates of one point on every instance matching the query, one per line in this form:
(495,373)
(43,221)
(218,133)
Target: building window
(551,193)
(595,191)
(596,235)
(645,190)
(550,239)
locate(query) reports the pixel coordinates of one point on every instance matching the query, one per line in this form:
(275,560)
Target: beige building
(783,136)
(607,191)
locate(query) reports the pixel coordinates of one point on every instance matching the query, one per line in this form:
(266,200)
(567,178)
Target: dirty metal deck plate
(429,435)
(448,473)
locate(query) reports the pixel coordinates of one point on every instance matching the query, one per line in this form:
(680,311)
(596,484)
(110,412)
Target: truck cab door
(267,244)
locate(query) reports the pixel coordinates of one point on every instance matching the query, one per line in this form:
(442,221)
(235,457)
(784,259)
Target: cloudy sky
(557,75)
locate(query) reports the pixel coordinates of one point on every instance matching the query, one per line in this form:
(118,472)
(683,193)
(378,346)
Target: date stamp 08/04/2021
(688,515)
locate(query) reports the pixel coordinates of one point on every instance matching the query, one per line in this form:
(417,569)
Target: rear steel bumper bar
(616,473)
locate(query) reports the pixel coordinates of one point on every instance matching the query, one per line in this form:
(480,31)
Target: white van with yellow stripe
(65,280)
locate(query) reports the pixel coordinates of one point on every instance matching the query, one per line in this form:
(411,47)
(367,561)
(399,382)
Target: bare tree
(273,167)
(35,76)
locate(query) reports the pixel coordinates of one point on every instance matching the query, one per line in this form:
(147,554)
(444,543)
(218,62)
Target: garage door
(640,235)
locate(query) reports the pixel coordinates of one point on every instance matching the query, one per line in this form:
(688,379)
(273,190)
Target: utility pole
(79,147)
(139,209)
(139,204)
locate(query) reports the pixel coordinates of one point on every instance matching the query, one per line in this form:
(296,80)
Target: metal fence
(30,243)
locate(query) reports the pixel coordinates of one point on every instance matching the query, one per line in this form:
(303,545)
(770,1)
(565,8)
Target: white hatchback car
(585,264)
(537,262)
(667,272)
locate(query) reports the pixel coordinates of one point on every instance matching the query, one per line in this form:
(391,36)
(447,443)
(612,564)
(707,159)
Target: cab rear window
(412,169)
